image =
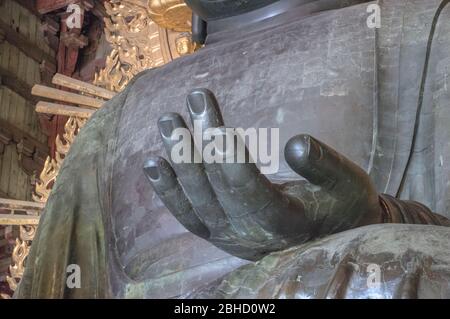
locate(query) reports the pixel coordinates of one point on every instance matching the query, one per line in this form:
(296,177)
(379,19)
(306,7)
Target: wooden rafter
(65,110)
(71,83)
(6,219)
(29,212)
(14,205)
(17,212)
(55,94)
(95,98)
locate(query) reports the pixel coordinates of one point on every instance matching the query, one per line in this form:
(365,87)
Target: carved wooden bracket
(73,40)
(50,28)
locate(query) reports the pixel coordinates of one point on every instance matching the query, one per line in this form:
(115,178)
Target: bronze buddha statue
(363,119)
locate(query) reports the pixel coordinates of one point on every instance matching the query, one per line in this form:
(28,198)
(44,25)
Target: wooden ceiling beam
(30,5)
(30,212)
(65,110)
(12,82)
(21,205)
(8,219)
(32,153)
(16,135)
(77,85)
(67,97)
(46,6)
(3,194)
(23,44)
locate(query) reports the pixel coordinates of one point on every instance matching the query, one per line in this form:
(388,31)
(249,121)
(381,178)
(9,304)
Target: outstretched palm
(239,210)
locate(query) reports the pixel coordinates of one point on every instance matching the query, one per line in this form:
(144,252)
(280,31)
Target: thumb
(323,166)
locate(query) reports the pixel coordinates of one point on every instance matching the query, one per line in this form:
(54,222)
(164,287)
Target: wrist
(408,212)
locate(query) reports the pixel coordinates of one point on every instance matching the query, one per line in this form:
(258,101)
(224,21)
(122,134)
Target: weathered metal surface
(327,75)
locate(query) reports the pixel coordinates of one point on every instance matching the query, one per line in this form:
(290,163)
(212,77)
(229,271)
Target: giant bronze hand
(235,207)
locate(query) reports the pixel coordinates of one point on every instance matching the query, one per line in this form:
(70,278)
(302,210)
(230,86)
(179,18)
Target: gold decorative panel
(143,35)
(170,14)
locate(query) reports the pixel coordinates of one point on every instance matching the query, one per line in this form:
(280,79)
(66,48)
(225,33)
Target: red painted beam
(46,6)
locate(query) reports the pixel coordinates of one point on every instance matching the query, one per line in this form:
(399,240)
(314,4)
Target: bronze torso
(329,75)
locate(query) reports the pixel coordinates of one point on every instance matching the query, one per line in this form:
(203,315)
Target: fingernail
(152,170)
(315,150)
(197,102)
(169,122)
(301,149)
(166,127)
